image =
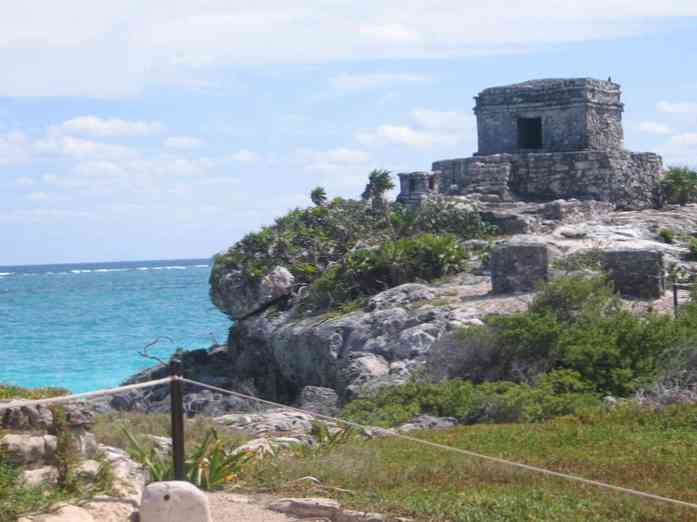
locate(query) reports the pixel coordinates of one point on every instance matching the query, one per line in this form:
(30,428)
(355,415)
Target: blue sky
(145,130)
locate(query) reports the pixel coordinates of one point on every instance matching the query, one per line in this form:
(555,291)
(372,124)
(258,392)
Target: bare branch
(147,355)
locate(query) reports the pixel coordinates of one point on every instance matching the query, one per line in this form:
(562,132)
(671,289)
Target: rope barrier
(468,453)
(87,395)
(519,465)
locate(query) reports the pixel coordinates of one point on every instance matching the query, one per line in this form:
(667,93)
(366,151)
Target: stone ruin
(545,140)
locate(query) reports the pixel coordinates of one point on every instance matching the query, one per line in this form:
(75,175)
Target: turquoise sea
(80,326)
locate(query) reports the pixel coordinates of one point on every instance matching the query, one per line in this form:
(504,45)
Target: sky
(169,129)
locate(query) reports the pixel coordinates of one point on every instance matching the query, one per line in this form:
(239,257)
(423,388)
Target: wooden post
(177,413)
(675,300)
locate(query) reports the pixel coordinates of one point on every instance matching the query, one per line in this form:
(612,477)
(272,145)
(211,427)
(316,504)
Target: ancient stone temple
(544,140)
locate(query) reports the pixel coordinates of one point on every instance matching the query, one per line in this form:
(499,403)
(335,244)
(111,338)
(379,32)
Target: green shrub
(209,465)
(442,215)
(667,235)
(10,391)
(367,271)
(575,324)
(558,393)
(692,247)
(67,452)
(680,185)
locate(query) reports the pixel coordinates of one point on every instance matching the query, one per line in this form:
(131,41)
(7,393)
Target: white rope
(468,453)
(87,395)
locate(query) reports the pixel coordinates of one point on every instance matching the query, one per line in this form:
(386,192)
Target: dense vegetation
(629,446)
(10,391)
(344,249)
(680,185)
(574,345)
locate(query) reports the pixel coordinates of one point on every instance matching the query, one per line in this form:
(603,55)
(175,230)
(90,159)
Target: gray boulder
(427,422)
(240,295)
(317,399)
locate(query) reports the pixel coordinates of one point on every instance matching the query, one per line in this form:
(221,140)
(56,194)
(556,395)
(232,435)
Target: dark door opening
(530,133)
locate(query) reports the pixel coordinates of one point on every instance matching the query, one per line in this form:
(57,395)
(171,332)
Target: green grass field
(652,452)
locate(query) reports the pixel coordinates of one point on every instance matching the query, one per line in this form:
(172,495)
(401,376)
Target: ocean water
(80,326)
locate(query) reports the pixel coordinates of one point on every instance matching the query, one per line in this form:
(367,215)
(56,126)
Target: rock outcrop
(240,296)
(278,353)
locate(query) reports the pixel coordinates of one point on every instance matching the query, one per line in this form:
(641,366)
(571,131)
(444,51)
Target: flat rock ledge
(317,508)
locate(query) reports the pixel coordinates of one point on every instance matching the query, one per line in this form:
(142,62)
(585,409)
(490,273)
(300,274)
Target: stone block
(28,449)
(518,267)
(636,273)
(174,502)
(507,223)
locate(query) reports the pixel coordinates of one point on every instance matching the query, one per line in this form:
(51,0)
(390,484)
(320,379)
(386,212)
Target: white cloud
(244,156)
(652,127)
(334,157)
(677,107)
(680,149)
(183,142)
(687,139)
(121,48)
(428,128)
(391,33)
(359,82)
(14,148)
(96,126)
(24,181)
(80,148)
(38,196)
(405,135)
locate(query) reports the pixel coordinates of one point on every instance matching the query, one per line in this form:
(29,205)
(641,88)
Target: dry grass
(109,429)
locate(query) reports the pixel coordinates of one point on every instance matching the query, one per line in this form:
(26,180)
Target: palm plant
(209,466)
(379,182)
(318,196)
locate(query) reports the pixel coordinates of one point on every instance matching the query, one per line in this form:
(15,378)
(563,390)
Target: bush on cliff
(562,392)
(680,185)
(342,235)
(367,271)
(575,324)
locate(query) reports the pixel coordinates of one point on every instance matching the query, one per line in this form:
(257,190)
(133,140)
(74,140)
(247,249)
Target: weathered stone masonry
(544,140)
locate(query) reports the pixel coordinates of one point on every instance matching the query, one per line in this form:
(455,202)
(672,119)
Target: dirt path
(229,507)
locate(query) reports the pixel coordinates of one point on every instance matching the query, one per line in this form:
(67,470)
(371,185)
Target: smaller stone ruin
(518,267)
(636,273)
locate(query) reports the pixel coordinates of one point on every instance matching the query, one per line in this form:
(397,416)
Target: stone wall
(625,179)
(476,175)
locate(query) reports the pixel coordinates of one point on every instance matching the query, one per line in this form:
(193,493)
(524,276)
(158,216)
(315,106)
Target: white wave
(80,271)
(168,268)
(201,266)
(111,269)
(3,274)
(142,268)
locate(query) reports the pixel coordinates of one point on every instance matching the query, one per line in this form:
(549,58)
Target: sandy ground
(229,507)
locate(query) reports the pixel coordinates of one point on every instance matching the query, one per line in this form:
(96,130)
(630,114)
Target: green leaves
(209,465)
(367,271)
(680,185)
